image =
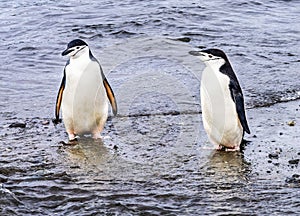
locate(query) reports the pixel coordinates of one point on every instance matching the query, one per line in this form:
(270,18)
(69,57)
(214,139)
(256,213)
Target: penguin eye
(210,56)
(77,47)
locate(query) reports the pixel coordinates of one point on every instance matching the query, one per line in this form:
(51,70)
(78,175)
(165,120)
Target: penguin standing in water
(222,101)
(84,93)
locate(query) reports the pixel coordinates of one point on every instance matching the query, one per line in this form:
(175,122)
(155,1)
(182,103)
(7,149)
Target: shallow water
(157,159)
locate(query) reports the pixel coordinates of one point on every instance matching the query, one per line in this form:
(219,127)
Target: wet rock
(17,125)
(294,162)
(295,179)
(274,155)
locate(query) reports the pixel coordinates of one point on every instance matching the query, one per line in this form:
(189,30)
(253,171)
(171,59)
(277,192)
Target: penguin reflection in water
(84,93)
(222,101)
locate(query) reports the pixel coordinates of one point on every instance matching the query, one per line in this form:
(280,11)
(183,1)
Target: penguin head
(75,48)
(211,56)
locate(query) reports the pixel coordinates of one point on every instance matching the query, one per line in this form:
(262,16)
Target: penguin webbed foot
(224,148)
(69,143)
(97,136)
(72,142)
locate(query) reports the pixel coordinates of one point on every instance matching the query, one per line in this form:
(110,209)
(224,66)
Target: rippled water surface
(155,158)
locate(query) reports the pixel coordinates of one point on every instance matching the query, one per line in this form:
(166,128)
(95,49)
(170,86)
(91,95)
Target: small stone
(17,124)
(8,149)
(273,155)
(295,161)
(291,123)
(278,150)
(115,147)
(45,122)
(280,133)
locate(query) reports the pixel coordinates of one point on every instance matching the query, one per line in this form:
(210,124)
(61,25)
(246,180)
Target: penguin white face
(211,56)
(74,48)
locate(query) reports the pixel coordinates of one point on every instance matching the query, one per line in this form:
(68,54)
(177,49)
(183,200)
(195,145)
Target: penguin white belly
(219,115)
(84,103)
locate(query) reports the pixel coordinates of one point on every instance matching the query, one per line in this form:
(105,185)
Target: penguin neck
(81,56)
(212,73)
(215,64)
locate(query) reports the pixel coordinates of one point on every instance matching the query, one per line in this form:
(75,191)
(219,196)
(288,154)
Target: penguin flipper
(238,98)
(111,96)
(109,91)
(59,98)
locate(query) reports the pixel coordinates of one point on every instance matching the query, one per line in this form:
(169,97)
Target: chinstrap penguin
(222,101)
(84,93)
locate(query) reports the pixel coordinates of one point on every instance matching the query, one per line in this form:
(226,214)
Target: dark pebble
(115,147)
(17,125)
(295,162)
(75,167)
(280,133)
(273,155)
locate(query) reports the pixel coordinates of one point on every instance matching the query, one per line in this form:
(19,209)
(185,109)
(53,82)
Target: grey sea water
(156,159)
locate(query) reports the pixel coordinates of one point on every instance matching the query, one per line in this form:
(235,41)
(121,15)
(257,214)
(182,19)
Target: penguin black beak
(66,52)
(196,53)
